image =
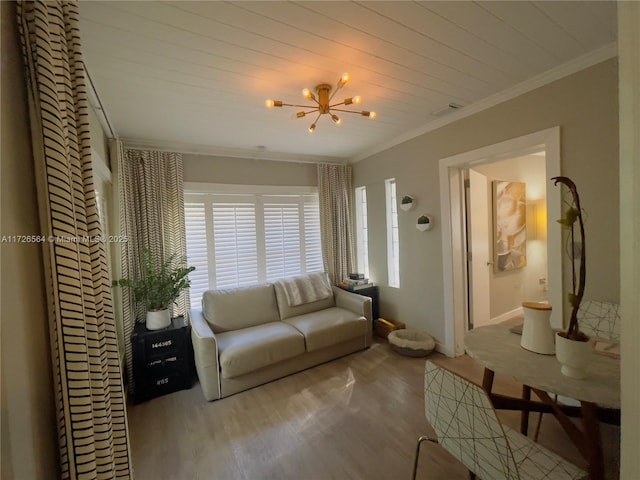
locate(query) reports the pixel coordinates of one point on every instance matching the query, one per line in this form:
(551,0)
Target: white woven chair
(466,425)
(600,320)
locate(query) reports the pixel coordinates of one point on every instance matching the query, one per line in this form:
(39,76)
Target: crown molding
(210,150)
(580,63)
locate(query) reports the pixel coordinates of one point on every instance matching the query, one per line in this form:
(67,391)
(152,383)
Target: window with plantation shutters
(393,241)
(362,231)
(238,236)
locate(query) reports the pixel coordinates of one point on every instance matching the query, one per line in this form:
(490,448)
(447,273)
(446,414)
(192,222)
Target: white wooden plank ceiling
(194,75)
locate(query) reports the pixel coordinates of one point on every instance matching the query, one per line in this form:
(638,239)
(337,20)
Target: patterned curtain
(91,413)
(336,220)
(151,216)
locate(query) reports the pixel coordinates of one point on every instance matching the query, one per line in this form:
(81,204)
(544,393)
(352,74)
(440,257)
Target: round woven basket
(411,343)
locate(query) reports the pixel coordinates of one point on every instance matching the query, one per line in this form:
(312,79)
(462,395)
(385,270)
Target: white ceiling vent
(450,107)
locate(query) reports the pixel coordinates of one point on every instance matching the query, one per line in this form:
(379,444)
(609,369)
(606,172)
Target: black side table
(162,359)
(372,293)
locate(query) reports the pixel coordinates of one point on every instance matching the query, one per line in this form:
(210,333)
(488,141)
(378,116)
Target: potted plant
(424,223)
(407,203)
(158,288)
(572,346)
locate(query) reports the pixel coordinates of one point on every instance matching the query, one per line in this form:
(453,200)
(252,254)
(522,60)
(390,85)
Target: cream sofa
(245,337)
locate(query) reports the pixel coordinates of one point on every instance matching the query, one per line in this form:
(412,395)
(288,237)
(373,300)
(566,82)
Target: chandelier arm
(333,94)
(347,111)
(310,111)
(312,128)
(297,105)
(313,99)
(337,104)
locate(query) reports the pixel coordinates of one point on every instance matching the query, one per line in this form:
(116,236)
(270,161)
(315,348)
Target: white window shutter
(196,230)
(282,240)
(235,250)
(313,242)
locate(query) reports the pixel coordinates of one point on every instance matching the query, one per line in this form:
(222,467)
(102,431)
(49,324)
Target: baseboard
(516,312)
(442,348)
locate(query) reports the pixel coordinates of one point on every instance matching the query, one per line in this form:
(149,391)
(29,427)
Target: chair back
(600,320)
(466,424)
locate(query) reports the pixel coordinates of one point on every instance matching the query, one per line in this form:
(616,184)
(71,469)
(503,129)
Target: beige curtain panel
(151,199)
(335,194)
(92,427)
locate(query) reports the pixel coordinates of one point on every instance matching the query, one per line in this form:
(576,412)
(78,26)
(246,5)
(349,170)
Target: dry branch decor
(573,215)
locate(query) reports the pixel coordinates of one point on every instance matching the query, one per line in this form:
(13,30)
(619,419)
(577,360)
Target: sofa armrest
(357,304)
(205,353)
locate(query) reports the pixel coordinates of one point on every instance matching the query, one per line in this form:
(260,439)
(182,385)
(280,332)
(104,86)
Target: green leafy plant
(423,219)
(159,286)
(406,199)
(571,217)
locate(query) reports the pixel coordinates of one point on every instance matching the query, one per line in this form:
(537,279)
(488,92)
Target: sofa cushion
(288,312)
(329,327)
(235,308)
(249,349)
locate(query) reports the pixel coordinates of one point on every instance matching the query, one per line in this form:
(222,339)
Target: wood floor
(354,418)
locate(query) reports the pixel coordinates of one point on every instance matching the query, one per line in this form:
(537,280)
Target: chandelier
(323,103)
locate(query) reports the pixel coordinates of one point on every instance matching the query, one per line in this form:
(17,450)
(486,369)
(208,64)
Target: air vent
(451,107)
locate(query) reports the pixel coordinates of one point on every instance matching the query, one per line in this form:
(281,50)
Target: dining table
(497,348)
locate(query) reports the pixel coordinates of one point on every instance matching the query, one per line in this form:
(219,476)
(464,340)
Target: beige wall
(242,171)
(29,438)
(584,105)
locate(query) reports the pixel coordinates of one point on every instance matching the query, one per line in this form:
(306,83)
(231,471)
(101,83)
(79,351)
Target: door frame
(453,232)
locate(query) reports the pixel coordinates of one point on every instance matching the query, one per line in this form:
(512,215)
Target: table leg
(588,439)
(592,440)
(524,415)
(487,380)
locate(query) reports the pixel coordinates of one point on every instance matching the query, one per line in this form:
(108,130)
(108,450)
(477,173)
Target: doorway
(507,254)
(452,187)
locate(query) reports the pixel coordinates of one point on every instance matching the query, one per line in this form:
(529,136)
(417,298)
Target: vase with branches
(572,346)
(572,216)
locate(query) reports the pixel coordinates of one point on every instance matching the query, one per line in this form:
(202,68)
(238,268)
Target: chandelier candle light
(323,103)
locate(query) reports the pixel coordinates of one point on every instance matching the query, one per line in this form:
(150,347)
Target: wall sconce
(537,220)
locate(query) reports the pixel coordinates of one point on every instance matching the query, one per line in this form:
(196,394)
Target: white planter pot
(573,356)
(158,319)
(423,226)
(406,206)
(537,335)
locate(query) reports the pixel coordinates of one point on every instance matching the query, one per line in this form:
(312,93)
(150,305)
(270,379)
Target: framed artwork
(509,225)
